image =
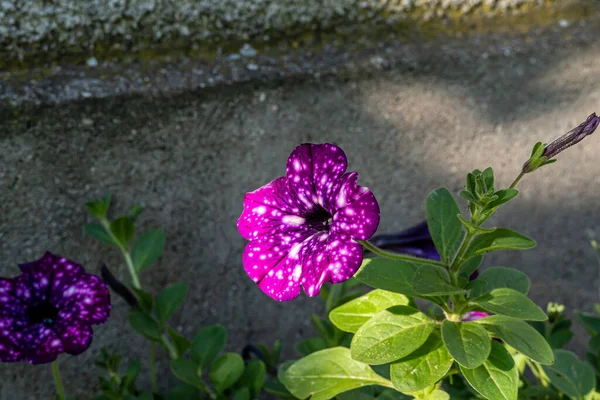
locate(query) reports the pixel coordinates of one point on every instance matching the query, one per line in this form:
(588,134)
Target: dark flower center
(43,313)
(318,218)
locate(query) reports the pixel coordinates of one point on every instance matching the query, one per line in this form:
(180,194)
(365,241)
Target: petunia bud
(540,158)
(118,287)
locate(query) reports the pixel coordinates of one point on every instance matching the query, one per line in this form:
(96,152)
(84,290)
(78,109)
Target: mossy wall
(53,28)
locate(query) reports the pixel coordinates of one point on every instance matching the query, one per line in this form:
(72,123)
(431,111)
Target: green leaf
(207,344)
(537,151)
(445,228)
(184,392)
(96,231)
(511,303)
(352,315)
(468,343)
(145,300)
(569,375)
(187,371)
(327,373)
(504,196)
(519,335)
(438,395)
(431,280)
(387,274)
(423,368)
(241,394)
(148,248)
(468,196)
(589,322)
(466,269)
(488,178)
(500,239)
(253,377)
(135,211)
(145,325)
(168,300)
(497,378)
(226,370)
(560,338)
(99,208)
(180,342)
(275,387)
(123,230)
(391,335)
(499,277)
(310,345)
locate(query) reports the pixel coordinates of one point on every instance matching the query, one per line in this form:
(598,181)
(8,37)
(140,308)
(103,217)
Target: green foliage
(519,335)
(145,325)
(497,378)
(187,371)
(389,274)
(327,373)
(99,208)
(97,231)
(226,370)
(499,239)
(180,342)
(423,368)
(467,342)
(445,228)
(123,230)
(207,344)
(569,375)
(511,303)
(148,248)
(354,314)
(391,335)
(499,277)
(310,345)
(432,280)
(168,300)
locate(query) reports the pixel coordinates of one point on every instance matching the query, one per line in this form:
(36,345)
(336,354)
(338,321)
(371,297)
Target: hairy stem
(153,367)
(370,246)
(517,179)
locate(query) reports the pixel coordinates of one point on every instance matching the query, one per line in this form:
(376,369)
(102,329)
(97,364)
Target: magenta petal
(75,337)
(332,258)
(358,215)
(312,169)
(267,210)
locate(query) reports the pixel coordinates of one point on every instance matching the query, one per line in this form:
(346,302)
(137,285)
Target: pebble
(248,51)
(92,62)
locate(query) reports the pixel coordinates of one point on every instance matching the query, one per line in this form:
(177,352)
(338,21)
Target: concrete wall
(54,27)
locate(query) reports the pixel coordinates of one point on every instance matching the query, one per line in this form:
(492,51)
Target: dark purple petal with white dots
(303,228)
(49,310)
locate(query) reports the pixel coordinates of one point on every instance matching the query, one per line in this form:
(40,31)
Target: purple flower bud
(572,137)
(567,140)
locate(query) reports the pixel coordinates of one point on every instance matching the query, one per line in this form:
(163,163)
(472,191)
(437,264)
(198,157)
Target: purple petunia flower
(49,309)
(303,228)
(415,241)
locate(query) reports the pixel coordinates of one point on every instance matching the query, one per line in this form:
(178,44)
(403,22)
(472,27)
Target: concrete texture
(414,117)
(43,30)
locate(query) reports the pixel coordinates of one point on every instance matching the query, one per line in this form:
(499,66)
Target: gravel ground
(416,116)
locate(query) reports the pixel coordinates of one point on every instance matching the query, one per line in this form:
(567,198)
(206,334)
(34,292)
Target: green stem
(153,367)
(461,253)
(368,245)
(170,347)
(57,381)
(135,280)
(134,277)
(517,179)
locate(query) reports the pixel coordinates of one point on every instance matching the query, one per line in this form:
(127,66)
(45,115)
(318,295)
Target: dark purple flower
(303,228)
(49,309)
(415,241)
